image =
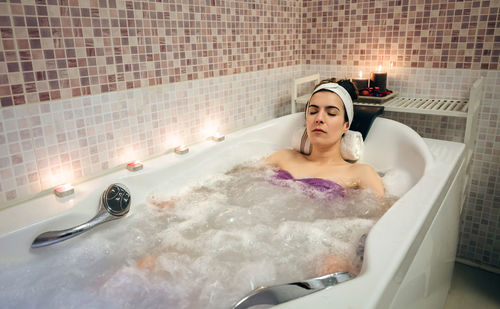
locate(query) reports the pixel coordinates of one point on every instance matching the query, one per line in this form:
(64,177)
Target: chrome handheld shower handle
(114,203)
(52,237)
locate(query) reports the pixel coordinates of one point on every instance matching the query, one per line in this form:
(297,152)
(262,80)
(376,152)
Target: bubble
(397,182)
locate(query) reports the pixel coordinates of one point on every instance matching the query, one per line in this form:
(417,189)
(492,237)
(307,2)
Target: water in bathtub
(205,247)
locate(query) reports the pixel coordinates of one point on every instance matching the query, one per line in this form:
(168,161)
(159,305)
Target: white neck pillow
(351,145)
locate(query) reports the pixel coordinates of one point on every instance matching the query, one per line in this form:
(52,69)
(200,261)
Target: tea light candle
(135,166)
(217,137)
(379,79)
(361,83)
(182,149)
(64,190)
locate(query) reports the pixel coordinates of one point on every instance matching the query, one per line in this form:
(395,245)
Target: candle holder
(64,190)
(375,95)
(181,150)
(217,137)
(135,166)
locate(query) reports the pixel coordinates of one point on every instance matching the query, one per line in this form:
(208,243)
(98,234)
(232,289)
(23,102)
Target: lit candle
(217,137)
(181,149)
(361,83)
(135,166)
(64,190)
(379,79)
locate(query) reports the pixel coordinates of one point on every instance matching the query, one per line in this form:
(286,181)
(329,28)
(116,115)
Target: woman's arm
(369,179)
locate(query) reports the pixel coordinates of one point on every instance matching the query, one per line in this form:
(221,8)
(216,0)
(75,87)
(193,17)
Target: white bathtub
(409,253)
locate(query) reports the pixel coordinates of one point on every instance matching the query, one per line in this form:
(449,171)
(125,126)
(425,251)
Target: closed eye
(330,110)
(313,109)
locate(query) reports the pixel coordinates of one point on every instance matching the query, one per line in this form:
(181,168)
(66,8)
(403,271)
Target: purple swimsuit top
(329,188)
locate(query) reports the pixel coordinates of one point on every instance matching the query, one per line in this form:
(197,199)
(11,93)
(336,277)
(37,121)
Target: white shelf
(440,107)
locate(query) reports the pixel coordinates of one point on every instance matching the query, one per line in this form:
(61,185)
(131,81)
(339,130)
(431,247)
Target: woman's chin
(321,142)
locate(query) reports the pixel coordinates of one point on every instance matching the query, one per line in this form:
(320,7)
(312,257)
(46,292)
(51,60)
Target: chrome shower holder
(114,204)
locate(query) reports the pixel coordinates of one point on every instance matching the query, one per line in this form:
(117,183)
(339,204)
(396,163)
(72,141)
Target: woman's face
(325,119)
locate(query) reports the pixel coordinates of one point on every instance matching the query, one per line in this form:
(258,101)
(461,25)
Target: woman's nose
(319,117)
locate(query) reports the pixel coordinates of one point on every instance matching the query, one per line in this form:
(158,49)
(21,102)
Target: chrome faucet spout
(114,204)
(278,294)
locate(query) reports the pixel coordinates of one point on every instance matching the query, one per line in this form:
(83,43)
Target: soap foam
(397,182)
(206,248)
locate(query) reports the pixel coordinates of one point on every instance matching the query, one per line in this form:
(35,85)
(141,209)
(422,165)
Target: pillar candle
(379,79)
(361,83)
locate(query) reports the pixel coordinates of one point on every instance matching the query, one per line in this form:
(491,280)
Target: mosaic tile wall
(46,144)
(408,33)
(57,49)
(480,228)
(52,49)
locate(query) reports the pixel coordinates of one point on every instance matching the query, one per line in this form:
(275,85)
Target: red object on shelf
(374,92)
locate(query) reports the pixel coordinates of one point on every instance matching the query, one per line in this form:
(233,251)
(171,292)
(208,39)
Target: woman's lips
(318,131)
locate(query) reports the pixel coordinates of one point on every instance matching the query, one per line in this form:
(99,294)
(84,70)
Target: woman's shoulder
(362,168)
(281,155)
(287,152)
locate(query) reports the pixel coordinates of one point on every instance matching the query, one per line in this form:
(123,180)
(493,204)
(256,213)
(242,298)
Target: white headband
(343,94)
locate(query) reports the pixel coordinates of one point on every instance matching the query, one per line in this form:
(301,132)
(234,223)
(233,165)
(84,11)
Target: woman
(329,114)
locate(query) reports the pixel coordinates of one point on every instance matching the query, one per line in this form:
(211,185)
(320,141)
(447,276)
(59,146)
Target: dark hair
(346,84)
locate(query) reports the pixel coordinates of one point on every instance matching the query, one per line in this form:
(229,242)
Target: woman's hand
(334,264)
(162,204)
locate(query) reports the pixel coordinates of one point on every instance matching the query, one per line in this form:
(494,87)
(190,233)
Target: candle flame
(174,141)
(380,68)
(64,187)
(58,177)
(360,74)
(127,155)
(211,129)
